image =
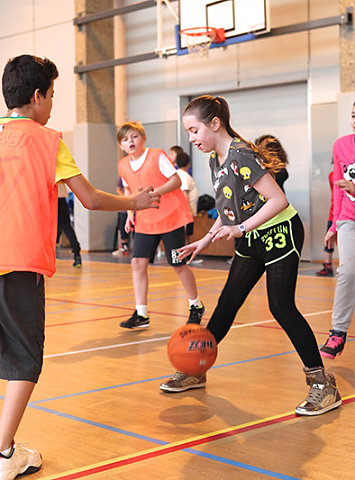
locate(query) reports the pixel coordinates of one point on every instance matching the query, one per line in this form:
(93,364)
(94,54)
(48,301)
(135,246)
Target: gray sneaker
(180,382)
(323,394)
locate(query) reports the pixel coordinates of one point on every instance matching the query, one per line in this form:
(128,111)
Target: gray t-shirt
(236,199)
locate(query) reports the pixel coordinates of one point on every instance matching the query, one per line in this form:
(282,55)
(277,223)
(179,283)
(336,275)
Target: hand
(129,225)
(147,198)
(194,248)
(330,239)
(230,230)
(346,185)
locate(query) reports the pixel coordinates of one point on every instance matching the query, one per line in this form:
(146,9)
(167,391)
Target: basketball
(192,349)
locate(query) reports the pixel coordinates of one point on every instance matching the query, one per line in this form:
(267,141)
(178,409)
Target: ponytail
(207,107)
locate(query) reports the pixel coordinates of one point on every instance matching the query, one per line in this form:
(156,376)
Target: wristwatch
(242,229)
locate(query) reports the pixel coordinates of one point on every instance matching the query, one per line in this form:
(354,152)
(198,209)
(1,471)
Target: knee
(138,264)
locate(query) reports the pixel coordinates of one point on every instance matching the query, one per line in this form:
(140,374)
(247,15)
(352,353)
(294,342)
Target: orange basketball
(192,349)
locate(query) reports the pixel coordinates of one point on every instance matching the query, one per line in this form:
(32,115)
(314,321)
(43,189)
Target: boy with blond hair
(151,166)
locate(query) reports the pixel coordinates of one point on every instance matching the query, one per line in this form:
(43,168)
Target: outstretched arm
(94,199)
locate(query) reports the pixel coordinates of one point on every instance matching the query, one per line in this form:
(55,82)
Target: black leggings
(281,284)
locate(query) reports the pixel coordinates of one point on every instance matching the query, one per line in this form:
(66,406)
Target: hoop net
(198,39)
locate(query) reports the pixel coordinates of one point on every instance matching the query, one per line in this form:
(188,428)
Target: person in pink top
(343,231)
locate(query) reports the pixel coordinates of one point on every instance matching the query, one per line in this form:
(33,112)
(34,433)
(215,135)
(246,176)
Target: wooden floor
(98,413)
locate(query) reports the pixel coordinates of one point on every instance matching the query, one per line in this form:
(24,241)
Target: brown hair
(177,149)
(206,108)
(125,127)
(271,144)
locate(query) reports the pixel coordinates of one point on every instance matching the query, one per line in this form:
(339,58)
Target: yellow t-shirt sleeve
(65,166)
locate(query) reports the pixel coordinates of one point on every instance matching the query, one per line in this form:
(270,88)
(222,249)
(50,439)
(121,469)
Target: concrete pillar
(347,72)
(95,149)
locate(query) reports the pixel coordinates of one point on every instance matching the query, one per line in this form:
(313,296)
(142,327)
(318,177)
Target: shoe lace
(178,376)
(315,393)
(195,312)
(334,341)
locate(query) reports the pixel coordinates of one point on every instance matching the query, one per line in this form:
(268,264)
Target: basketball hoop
(199,39)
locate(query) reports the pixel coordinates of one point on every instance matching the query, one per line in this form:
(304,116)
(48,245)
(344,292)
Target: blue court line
(137,382)
(244,466)
(156,441)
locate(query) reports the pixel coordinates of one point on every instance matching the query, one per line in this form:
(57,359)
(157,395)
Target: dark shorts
(274,243)
(145,245)
(21,326)
(189,229)
(326,249)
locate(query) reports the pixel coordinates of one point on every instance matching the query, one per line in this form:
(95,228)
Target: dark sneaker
(323,394)
(327,270)
(136,321)
(180,382)
(334,345)
(77,261)
(196,314)
(22,460)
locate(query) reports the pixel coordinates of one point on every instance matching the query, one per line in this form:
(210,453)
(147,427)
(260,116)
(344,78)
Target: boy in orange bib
(151,166)
(33,159)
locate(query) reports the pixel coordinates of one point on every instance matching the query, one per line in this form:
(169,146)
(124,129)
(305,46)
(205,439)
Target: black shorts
(145,245)
(21,326)
(272,244)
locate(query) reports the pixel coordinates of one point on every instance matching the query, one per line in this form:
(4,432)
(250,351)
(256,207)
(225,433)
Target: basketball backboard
(237,17)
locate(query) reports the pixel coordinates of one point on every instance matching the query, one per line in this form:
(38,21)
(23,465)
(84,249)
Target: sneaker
(136,321)
(196,314)
(197,261)
(323,394)
(180,382)
(77,261)
(124,249)
(115,253)
(334,345)
(22,460)
(327,270)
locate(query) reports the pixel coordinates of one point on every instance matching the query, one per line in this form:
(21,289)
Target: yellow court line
(167,446)
(175,444)
(127,287)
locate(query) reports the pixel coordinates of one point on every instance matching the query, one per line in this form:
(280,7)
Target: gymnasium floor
(98,413)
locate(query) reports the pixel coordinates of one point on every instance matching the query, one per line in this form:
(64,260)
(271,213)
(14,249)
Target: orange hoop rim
(198,31)
(212,32)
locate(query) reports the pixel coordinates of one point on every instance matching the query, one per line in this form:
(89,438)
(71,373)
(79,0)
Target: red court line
(84,321)
(169,448)
(175,315)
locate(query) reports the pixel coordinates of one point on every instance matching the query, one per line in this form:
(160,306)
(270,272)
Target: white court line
(159,339)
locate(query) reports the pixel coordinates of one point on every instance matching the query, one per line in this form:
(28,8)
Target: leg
(17,396)
(344,303)
(243,275)
(188,280)
(140,279)
(139,319)
(21,346)
(65,225)
(281,285)
(344,300)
